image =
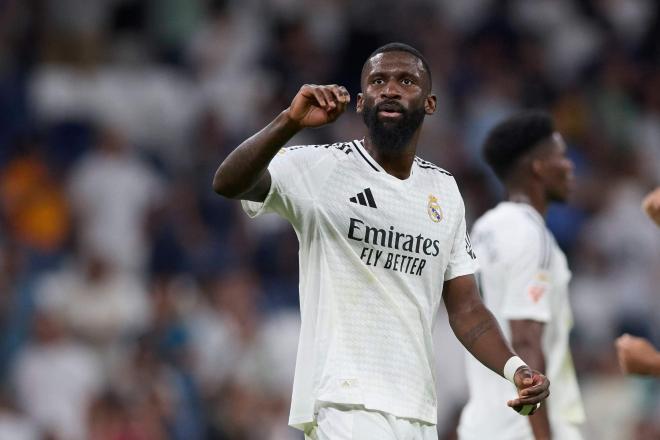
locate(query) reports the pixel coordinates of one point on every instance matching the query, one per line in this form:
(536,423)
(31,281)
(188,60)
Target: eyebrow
(397,72)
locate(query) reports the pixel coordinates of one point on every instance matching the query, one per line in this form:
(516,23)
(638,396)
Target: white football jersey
(374,253)
(523,275)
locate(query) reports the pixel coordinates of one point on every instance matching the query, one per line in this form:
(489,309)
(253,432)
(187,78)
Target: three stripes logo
(364,198)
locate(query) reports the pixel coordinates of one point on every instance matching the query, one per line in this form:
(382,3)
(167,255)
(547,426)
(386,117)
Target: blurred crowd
(136,305)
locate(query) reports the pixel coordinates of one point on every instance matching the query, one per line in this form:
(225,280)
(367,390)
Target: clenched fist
(314,105)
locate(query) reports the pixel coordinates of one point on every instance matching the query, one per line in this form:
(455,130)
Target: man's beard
(392,136)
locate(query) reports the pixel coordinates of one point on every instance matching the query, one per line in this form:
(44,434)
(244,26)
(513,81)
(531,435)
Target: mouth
(389,115)
(390,110)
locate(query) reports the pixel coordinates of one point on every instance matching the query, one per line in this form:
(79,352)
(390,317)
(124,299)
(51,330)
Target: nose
(391,90)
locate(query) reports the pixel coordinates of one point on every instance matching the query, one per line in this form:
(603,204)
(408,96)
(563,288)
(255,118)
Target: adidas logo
(364,198)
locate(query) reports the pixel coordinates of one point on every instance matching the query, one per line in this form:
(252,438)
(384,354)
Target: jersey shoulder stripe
(425,164)
(358,147)
(345,147)
(546,247)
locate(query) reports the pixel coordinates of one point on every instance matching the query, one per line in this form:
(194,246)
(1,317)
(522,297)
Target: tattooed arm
(244,173)
(477,329)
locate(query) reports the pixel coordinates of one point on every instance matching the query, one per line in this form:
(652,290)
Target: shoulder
(508,217)
(516,229)
(440,179)
(306,158)
(337,149)
(431,168)
(436,175)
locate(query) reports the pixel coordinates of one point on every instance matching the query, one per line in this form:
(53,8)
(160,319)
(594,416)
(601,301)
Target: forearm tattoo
(476,332)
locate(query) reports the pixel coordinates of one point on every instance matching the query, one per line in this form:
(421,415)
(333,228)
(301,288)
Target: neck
(395,163)
(534,198)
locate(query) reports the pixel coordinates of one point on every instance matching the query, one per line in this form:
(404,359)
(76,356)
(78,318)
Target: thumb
(526,376)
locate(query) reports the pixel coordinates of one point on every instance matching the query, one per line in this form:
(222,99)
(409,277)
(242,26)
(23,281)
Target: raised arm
(477,329)
(244,173)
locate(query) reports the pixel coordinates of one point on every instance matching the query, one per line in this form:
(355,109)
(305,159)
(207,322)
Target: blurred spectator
(97,303)
(15,425)
(56,378)
(113,194)
(32,202)
(238,351)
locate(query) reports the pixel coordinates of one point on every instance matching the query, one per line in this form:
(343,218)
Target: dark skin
(400,79)
(395,77)
(544,175)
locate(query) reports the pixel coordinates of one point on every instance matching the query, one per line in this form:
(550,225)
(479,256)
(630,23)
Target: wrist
(287,122)
(511,366)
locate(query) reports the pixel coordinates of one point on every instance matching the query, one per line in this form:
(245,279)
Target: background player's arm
(651,205)
(637,356)
(526,339)
(477,329)
(244,173)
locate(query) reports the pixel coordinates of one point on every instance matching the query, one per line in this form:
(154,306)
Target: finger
(529,400)
(329,98)
(336,112)
(340,94)
(526,376)
(536,389)
(320,97)
(345,94)
(534,400)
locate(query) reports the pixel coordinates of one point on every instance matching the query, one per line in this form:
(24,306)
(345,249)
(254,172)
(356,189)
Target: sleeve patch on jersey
(538,287)
(536,293)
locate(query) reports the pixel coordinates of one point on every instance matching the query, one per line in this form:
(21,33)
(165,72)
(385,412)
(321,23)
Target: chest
(406,223)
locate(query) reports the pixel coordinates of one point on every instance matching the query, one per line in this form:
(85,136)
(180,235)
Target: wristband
(512,366)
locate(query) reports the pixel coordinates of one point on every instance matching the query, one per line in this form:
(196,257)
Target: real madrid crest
(433,208)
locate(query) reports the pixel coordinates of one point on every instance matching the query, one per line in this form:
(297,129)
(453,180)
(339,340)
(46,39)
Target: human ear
(430,104)
(359,106)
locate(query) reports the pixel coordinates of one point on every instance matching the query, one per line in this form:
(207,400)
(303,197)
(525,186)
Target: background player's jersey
(523,275)
(374,253)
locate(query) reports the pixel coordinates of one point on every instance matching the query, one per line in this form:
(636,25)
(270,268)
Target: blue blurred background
(135,304)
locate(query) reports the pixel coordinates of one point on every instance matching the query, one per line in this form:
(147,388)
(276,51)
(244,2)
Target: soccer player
(382,242)
(523,278)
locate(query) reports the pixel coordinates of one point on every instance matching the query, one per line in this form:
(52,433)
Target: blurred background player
(524,279)
(382,242)
(637,355)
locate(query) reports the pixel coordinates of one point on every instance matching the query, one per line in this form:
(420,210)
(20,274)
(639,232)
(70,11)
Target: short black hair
(512,138)
(401,47)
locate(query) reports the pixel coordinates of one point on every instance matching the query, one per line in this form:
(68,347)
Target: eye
(377,81)
(407,82)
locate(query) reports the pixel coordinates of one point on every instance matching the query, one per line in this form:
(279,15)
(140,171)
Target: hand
(533,387)
(314,105)
(651,205)
(636,355)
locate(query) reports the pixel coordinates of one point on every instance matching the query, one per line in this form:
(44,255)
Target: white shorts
(563,431)
(350,422)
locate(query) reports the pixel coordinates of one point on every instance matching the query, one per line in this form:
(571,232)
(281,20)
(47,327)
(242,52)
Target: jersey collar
(375,166)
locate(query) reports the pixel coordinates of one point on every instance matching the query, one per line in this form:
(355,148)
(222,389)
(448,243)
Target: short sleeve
(293,181)
(529,280)
(462,260)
